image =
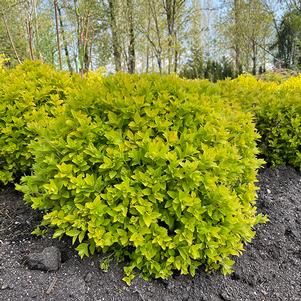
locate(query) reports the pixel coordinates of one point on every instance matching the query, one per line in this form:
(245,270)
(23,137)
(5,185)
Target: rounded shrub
(30,94)
(146,168)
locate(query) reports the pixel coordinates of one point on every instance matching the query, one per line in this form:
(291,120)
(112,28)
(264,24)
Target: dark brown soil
(269,269)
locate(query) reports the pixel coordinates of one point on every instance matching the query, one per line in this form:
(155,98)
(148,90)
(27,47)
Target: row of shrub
(277,111)
(157,170)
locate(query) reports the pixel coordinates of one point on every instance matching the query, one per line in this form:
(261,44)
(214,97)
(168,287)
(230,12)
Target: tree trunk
(254,57)
(237,46)
(86,59)
(57,33)
(77,58)
(147,47)
(147,59)
(169,6)
(36,31)
(86,52)
(115,39)
(131,49)
(172,10)
(159,61)
(64,39)
(10,37)
(176,53)
(30,46)
(90,52)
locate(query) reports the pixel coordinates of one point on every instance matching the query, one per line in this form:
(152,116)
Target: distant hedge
(277,111)
(149,169)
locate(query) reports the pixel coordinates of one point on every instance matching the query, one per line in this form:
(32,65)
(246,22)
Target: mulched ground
(269,269)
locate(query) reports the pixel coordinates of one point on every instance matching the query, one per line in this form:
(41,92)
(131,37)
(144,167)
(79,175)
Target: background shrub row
(277,111)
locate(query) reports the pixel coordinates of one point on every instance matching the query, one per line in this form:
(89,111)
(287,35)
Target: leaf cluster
(30,94)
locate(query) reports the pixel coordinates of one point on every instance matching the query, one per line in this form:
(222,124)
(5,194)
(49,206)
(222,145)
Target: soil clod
(48,260)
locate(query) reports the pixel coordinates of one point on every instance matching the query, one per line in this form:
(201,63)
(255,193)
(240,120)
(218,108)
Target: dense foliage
(277,109)
(29,95)
(146,167)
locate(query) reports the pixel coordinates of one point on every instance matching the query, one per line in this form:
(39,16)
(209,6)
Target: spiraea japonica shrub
(147,168)
(277,110)
(30,94)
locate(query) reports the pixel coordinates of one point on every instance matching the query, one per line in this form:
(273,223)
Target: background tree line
(195,38)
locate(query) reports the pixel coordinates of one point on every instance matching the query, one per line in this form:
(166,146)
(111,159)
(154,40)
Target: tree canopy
(198,38)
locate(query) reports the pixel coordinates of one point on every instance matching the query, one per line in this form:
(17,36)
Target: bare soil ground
(269,269)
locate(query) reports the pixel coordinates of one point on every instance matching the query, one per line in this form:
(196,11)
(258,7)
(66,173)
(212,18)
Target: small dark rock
(5,286)
(275,253)
(164,282)
(266,202)
(48,260)
(291,232)
(33,295)
(88,277)
(235,276)
(64,256)
(252,280)
(170,286)
(224,296)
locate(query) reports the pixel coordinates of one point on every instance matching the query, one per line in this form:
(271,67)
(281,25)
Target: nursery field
(148,187)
